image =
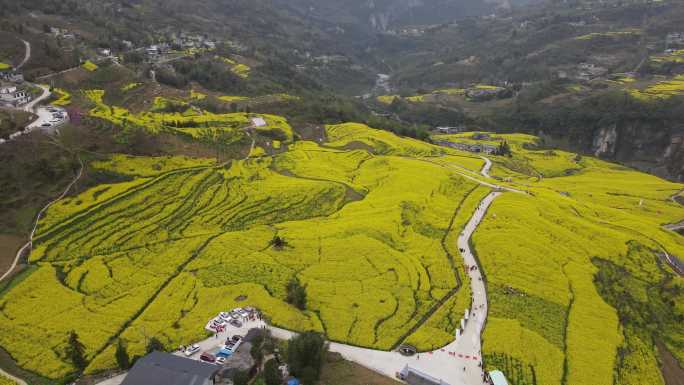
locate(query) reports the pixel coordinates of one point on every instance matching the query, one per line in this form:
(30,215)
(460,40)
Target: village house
(674,39)
(486,93)
(450,130)
(11,96)
(104,52)
(588,71)
(12,76)
(476,148)
(159,368)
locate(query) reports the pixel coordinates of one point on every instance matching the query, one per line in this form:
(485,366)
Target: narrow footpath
(27,247)
(11,377)
(27,54)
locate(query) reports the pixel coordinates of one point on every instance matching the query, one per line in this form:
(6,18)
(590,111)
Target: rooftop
(159,368)
(498,377)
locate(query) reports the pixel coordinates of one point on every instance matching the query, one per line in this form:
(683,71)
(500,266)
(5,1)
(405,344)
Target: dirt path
(11,377)
(27,55)
(27,247)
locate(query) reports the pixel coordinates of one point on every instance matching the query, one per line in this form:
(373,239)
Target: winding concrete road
(458,363)
(487,166)
(43,116)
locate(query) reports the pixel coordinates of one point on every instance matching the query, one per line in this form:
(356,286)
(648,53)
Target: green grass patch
(64,97)
(130,87)
(89,66)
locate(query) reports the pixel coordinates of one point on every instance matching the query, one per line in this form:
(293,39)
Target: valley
(449,211)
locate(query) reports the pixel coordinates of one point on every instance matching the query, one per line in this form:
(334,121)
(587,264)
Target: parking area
(230,329)
(49,118)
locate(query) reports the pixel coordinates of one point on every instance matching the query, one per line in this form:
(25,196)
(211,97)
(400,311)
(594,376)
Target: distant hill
(383,15)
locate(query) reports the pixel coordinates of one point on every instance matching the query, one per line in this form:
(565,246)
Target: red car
(208,357)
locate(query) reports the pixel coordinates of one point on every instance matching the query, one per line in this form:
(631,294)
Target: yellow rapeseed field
(370,222)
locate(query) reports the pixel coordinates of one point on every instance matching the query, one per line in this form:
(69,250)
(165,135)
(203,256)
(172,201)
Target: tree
(256,350)
(278,242)
(504,149)
(122,359)
(296,294)
(272,374)
(308,376)
(154,345)
(305,355)
(75,351)
(241,378)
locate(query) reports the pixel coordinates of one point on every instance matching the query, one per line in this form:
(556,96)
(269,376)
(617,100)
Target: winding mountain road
(43,116)
(458,363)
(487,166)
(27,54)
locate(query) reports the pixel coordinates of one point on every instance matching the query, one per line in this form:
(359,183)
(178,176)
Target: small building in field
(415,377)
(259,122)
(496,377)
(159,368)
(450,130)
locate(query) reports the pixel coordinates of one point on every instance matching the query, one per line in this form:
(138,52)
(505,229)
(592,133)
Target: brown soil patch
(338,371)
(671,369)
(314,133)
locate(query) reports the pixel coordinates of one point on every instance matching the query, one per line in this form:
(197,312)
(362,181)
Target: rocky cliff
(657,150)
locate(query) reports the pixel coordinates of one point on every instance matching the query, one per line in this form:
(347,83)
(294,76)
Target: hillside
(366,209)
(502,198)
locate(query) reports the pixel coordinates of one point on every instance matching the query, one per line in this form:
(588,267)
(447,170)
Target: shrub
(272,374)
(296,294)
(305,355)
(121,355)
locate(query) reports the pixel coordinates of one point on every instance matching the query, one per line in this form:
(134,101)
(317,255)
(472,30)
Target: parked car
(208,357)
(236,323)
(192,349)
(225,316)
(46,125)
(242,312)
(220,360)
(218,322)
(236,338)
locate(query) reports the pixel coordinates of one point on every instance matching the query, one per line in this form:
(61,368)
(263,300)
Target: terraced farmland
(555,315)
(370,222)
(161,253)
(192,122)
